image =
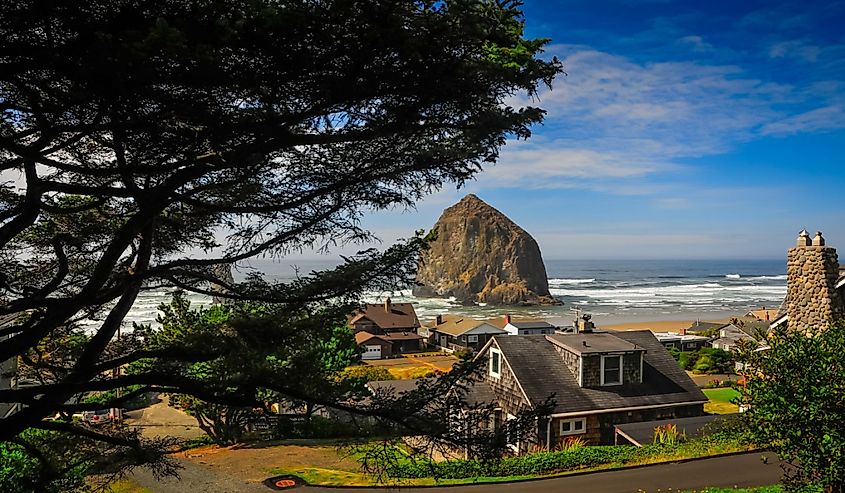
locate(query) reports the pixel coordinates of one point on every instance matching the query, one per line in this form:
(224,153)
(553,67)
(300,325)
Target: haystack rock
(481,256)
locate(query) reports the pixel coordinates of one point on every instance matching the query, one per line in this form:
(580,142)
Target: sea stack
(481,256)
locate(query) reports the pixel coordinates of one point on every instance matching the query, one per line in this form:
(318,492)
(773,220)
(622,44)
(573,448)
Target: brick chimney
(387,304)
(507,318)
(812,270)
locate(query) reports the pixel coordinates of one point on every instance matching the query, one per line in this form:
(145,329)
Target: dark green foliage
(309,360)
(153,140)
(796,395)
(532,464)
(320,427)
(705,360)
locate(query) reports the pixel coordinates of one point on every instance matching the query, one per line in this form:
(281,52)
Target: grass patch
(761,489)
(412,373)
(126,486)
(720,401)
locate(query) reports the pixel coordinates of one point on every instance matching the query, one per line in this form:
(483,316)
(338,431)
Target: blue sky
(682,130)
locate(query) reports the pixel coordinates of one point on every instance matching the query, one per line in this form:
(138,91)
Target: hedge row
(533,464)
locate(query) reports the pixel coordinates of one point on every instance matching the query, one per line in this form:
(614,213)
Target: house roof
(533,324)
(397,387)
(480,394)
(582,343)
(540,372)
(362,337)
(699,326)
(398,316)
(455,325)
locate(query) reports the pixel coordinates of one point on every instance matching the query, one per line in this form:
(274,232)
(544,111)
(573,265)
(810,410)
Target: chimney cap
(803,238)
(819,239)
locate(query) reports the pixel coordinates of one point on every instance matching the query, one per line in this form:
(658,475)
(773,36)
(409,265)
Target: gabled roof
(540,372)
(362,337)
(399,316)
(455,325)
(699,326)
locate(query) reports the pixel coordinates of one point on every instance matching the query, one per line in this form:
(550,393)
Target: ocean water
(613,291)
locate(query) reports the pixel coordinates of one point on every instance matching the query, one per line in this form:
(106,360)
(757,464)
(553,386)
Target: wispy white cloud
(697,42)
(613,119)
(826,118)
(795,49)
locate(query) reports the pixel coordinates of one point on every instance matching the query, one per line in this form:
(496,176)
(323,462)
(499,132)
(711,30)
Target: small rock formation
(481,256)
(222,272)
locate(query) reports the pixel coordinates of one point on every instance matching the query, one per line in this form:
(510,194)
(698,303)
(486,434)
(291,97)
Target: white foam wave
(781,277)
(556,282)
(733,276)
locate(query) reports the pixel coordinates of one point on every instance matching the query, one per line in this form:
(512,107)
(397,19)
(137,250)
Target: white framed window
(472,338)
(575,426)
(611,370)
(495,363)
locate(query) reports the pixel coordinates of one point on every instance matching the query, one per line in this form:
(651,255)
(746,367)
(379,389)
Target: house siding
(570,359)
(455,343)
(506,388)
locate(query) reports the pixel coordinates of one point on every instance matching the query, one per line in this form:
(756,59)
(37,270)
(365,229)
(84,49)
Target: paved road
(733,471)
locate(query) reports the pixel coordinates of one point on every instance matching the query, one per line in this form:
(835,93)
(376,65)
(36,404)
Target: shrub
(368,373)
(668,435)
(687,359)
(574,457)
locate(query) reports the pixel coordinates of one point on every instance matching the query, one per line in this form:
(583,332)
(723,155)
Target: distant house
(698,327)
(682,342)
(386,330)
(379,346)
(765,314)
(525,327)
(457,333)
(729,335)
(598,380)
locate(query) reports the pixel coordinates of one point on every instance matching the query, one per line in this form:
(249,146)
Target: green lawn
(720,401)
(762,489)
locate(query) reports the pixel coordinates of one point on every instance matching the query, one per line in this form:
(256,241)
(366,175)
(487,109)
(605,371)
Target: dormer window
(495,363)
(611,370)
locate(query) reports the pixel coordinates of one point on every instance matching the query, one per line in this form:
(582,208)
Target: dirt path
(253,463)
(196,478)
(160,419)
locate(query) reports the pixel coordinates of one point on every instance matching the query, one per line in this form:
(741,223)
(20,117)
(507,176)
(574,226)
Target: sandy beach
(656,326)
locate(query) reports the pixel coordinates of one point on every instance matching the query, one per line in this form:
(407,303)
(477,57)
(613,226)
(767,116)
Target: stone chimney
(438,320)
(387,304)
(812,270)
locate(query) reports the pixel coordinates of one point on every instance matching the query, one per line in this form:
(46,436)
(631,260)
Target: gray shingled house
(598,380)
